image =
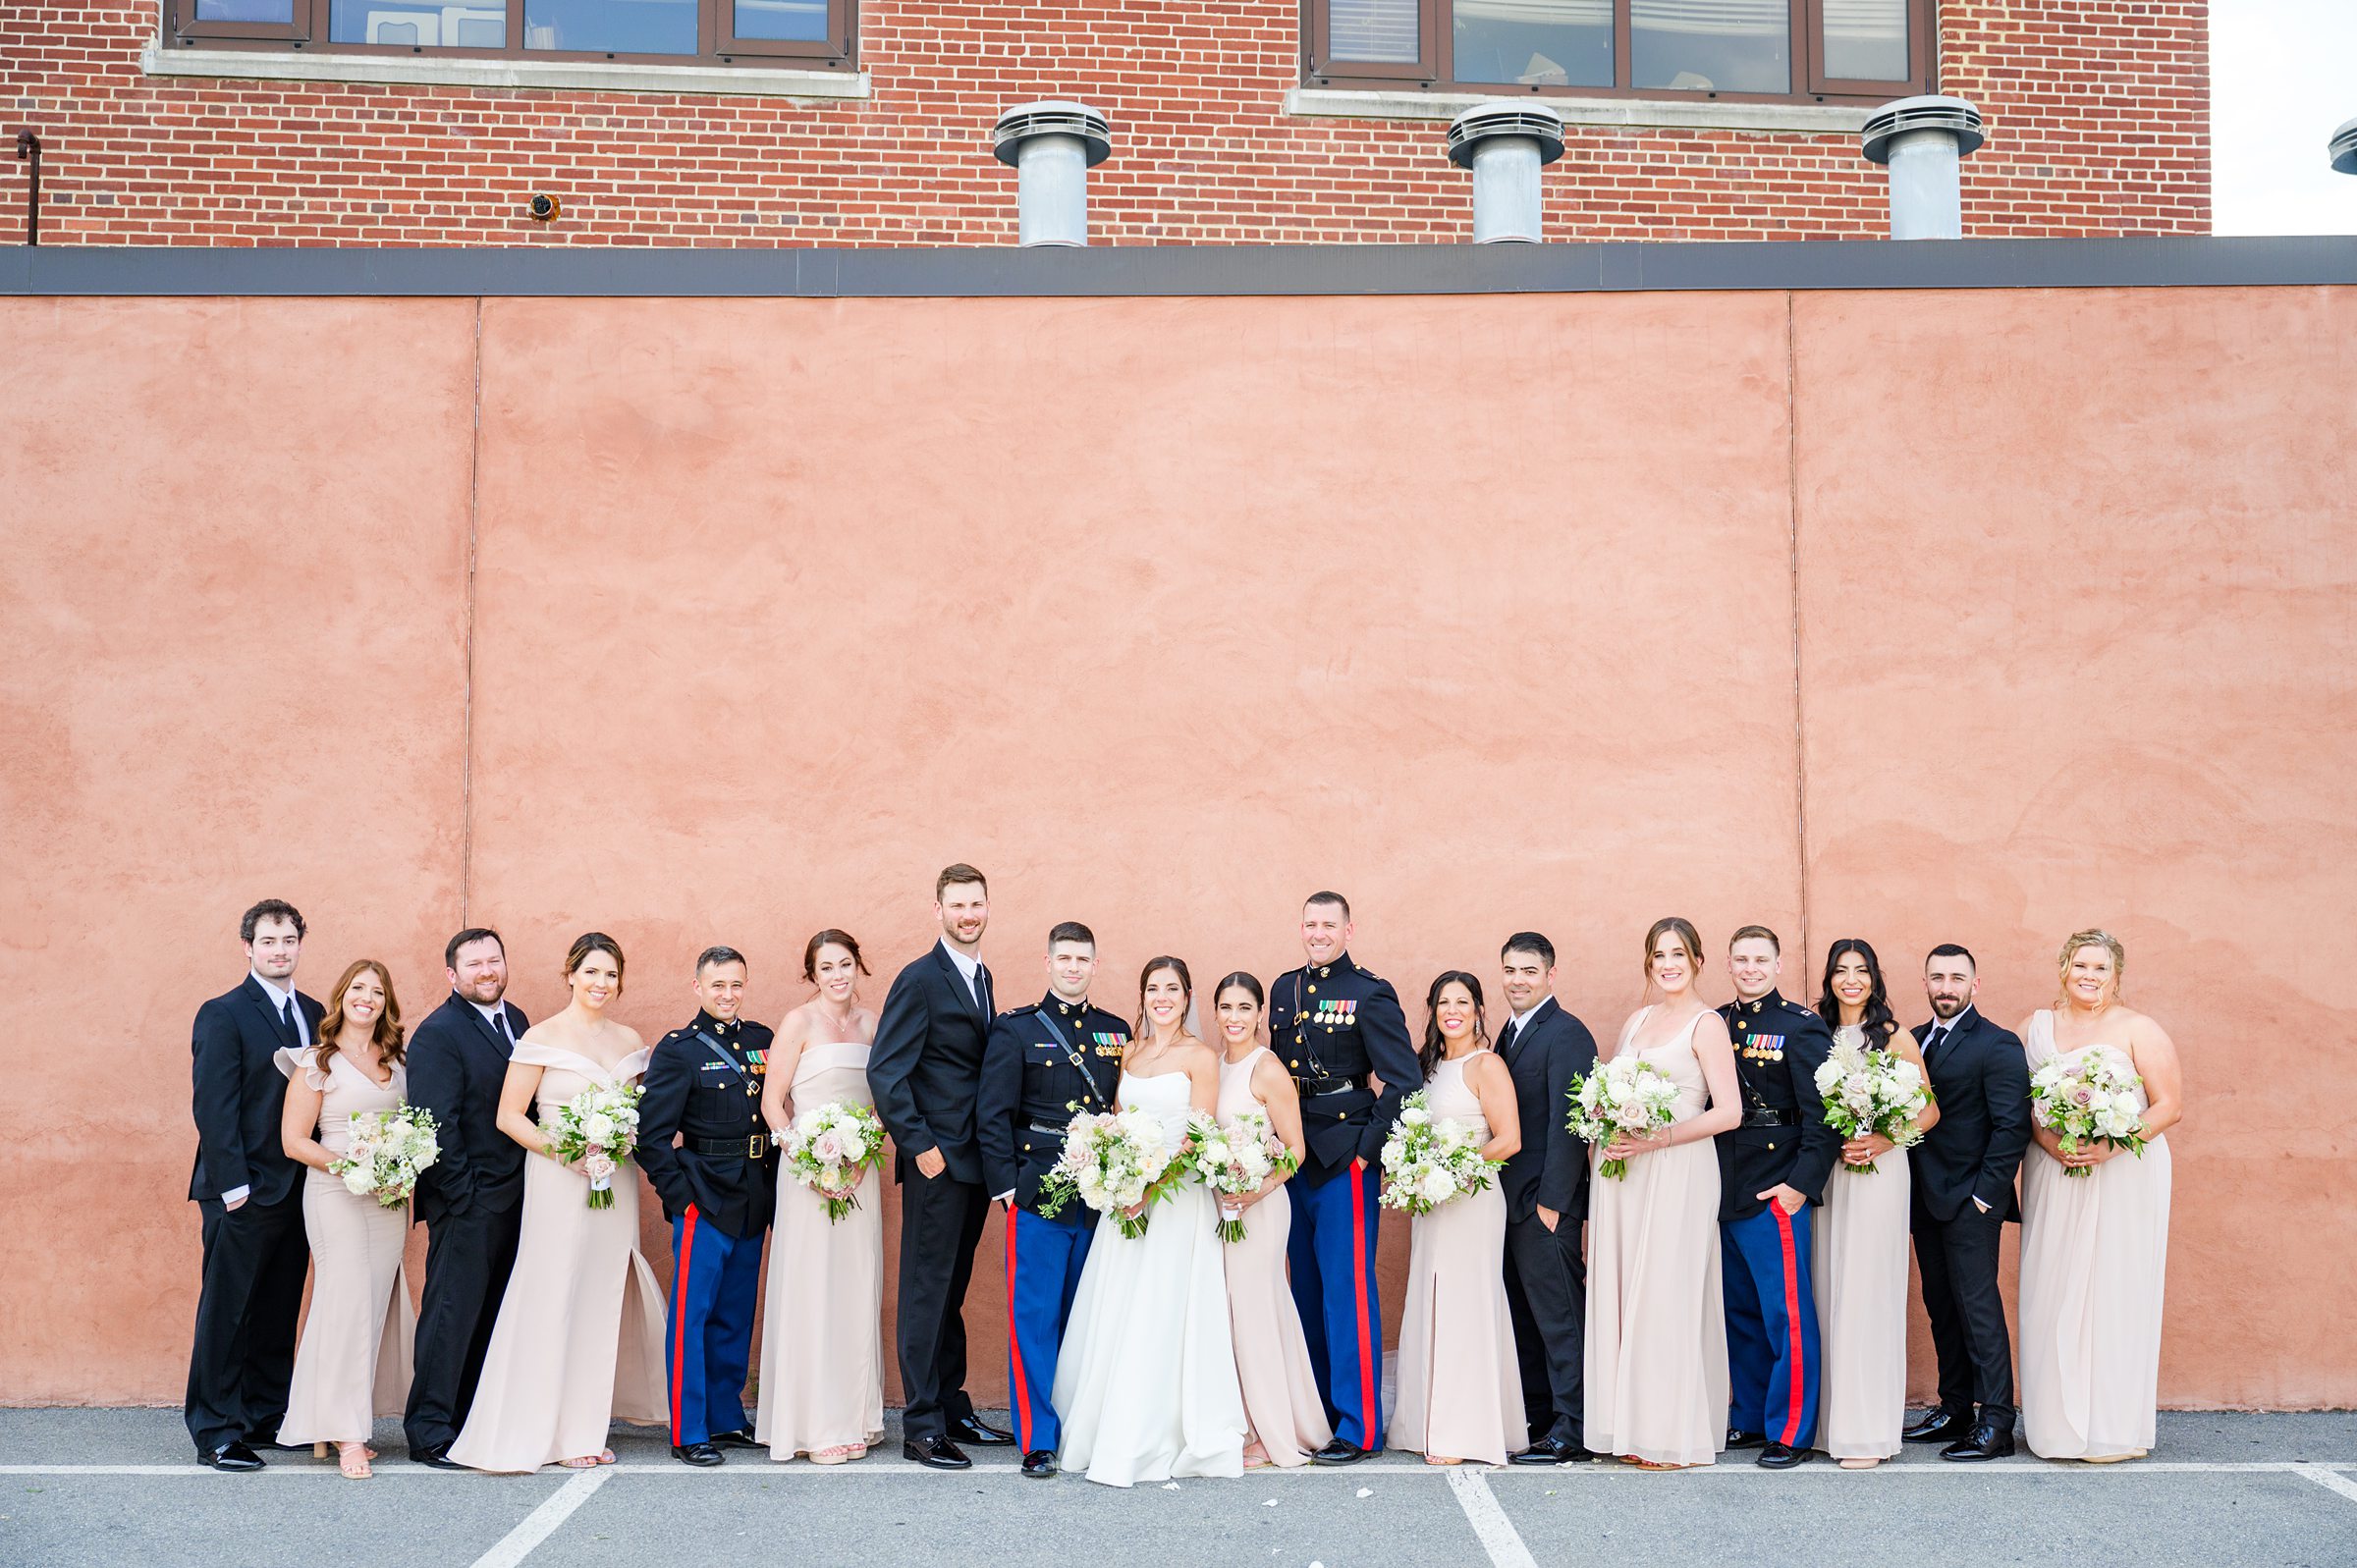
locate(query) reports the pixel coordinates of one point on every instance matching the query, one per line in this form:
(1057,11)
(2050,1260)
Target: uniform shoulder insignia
(1798,1008)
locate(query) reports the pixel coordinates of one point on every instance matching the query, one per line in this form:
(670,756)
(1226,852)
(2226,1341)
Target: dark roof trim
(1109,271)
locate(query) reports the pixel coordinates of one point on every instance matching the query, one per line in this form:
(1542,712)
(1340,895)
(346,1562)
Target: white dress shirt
(969,967)
(496,1015)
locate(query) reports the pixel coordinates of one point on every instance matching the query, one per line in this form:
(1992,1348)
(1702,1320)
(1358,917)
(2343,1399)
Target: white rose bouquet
(1235,1157)
(597,1128)
(1429,1160)
(830,1148)
(1626,1095)
(1872,1092)
(1112,1162)
(388,1149)
(2090,1098)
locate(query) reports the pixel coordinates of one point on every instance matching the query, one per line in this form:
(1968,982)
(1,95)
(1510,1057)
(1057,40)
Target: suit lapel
(482,1025)
(1530,1026)
(257,996)
(968,994)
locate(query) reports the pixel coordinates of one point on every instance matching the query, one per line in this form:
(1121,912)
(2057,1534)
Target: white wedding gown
(1145,1380)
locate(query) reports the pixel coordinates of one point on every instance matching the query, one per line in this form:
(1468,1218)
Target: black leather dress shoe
(1040,1463)
(1780,1456)
(1938,1425)
(980,1433)
(701,1454)
(1736,1438)
(936,1453)
(1339,1452)
(1986,1441)
(1550,1451)
(739,1439)
(438,1458)
(230,1456)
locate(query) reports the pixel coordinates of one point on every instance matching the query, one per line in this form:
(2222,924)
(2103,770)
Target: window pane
(430,26)
(1866,40)
(617,27)
(1374,31)
(781,19)
(1711,45)
(282,11)
(1550,43)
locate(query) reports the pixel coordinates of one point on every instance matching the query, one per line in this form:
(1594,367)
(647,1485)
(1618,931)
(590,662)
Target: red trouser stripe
(1014,1348)
(678,1317)
(1796,1369)
(1358,1284)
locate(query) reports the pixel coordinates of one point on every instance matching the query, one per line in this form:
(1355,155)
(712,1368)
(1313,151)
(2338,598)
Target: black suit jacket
(240,1093)
(456,1066)
(1982,1080)
(926,1066)
(1551,1168)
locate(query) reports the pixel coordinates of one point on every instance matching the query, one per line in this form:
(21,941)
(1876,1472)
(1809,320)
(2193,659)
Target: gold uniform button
(1313,990)
(1340,1116)
(1772,1148)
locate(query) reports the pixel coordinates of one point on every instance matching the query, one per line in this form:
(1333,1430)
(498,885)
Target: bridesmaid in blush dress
(1656,1373)
(1861,1273)
(822,1349)
(353,1361)
(1460,1387)
(579,1337)
(1287,1420)
(2095,1246)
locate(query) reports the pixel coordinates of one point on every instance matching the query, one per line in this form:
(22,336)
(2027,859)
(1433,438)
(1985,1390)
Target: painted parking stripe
(2325,1473)
(2330,1478)
(542,1522)
(1497,1532)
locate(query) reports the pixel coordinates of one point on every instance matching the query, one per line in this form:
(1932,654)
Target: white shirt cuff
(237,1195)
(1003,1197)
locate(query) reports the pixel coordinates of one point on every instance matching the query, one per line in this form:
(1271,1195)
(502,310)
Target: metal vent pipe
(1924,141)
(2344,148)
(1505,143)
(1052,144)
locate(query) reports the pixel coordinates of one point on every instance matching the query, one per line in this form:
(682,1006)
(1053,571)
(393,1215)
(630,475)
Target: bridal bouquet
(1113,1162)
(388,1149)
(597,1128)
(1872,1092)
(2090,1098)
(1428,1161)
(1626,1094)
(829,1149)
(1235,1157)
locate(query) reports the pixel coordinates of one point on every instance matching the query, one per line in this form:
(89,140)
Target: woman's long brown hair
(389,1033)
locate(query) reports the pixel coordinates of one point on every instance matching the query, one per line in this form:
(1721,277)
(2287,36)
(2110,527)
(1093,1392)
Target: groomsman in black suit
(470,1199)
(926,1071)
(1962,1177)
(1545,1187)
(255,1252)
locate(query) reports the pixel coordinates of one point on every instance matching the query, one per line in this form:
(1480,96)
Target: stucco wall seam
(474,480)
(1800,734)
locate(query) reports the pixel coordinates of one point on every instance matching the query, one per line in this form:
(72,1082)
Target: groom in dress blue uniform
(1335,1025)
(1038,1065)
(1773,1165)
(719,1188)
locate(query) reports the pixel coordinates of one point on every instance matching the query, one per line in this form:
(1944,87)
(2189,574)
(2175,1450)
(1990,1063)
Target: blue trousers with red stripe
(1331,1256)
(708,1334)
(1044,1258)
(1771,1355)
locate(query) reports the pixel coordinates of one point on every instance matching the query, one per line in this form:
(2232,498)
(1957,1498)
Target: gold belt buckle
(754,1149)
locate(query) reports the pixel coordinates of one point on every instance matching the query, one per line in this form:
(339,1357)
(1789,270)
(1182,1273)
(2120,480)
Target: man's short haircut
(1331,897)
(717,955)
(472,934)
(1748,933)
(1953,949)
(271,910)
(960,875)
(1532,943)
(1072,931)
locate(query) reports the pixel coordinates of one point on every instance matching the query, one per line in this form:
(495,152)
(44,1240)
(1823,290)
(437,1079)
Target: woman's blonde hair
(2093,936)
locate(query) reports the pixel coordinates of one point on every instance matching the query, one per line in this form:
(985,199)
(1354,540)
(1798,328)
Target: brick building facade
(2098,113)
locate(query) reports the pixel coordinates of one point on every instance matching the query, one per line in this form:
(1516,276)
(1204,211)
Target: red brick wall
(2098,113)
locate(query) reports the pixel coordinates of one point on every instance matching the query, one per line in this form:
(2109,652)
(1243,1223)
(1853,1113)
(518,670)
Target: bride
(1145,1382)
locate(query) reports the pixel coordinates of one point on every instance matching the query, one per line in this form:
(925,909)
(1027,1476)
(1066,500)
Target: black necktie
(982,990)
(1505,1040)
(500,1027)
(293,1027)
(1938,1033)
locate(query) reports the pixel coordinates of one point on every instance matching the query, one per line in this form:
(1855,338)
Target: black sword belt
(752,1148)
(1762,1117)
(1055,1129)
(1320,1088)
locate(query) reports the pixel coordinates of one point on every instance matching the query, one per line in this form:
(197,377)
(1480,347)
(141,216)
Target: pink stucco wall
(1913,616)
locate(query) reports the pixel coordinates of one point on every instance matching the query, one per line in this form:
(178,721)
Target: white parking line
(1498,1536)
(2328,1478)
(538,1525)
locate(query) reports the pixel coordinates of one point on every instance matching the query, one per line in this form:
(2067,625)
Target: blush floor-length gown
(1862,1286)
(1272,1369)
(1145,1380)
(1460,1389)
(2094,1263)
(579,1337)
(1656,1363)
(822,1340)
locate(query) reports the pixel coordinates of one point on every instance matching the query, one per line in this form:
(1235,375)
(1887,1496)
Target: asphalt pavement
(98,1488)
